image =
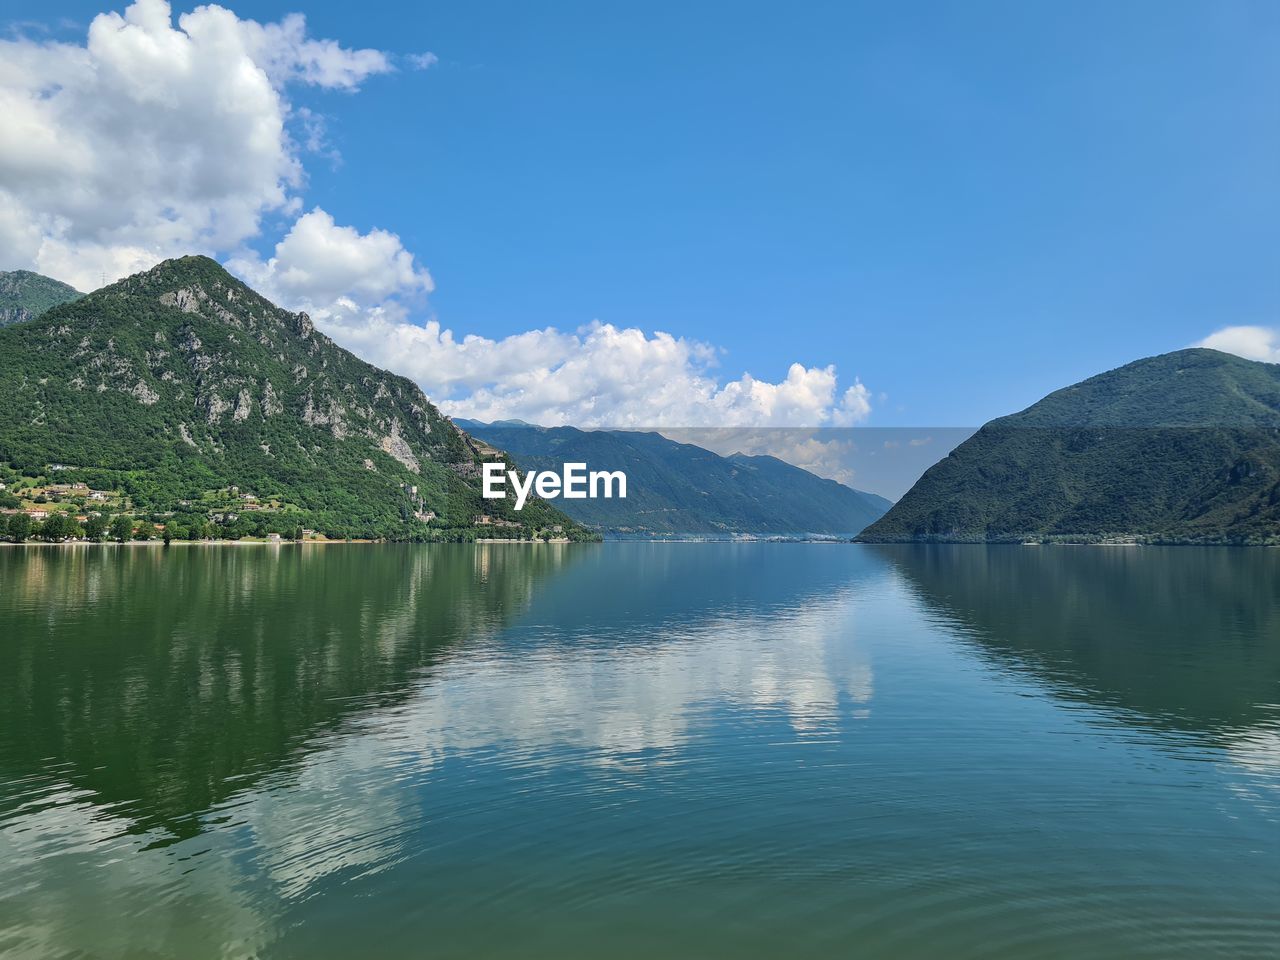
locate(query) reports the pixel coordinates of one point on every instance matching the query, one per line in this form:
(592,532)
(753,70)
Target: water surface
(639,750)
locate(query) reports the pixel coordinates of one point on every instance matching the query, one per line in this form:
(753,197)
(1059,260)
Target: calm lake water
(639,750)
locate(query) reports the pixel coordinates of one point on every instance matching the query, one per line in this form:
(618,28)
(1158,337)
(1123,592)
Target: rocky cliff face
(182,379)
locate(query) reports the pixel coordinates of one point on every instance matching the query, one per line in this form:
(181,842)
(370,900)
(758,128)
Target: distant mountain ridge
(1182,447)
(180,382)
(25,295)
(679,488)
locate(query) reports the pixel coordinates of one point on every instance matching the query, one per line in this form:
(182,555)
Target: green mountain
(176,385)
(25,295)
(678,488)
(1183,447)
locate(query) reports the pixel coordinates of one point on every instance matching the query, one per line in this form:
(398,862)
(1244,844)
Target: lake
(639,750)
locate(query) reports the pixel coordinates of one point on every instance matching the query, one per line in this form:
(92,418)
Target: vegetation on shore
(187,400)
(1179,448)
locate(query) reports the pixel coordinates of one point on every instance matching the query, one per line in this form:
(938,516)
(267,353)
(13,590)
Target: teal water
(639,750)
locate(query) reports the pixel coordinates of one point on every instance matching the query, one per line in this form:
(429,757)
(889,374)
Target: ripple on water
(774,751)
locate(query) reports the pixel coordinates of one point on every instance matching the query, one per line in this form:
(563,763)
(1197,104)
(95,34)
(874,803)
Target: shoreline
(280,543)
(486,542)
(1063,543)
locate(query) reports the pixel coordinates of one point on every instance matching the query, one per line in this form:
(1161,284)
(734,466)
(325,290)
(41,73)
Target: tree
(56,528)
(235,529)
(121,528)
(146,531)
(168,534)
(95,527)
(19,527)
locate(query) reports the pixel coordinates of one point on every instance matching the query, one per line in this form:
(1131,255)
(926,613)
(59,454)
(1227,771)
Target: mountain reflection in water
(695,749)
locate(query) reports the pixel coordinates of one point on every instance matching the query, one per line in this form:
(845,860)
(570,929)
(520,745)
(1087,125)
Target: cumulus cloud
(155,139)
(359,288)
(599,376)
(152,140)
(1252,343)
(333,269)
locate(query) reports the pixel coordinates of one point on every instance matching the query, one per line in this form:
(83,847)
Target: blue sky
(963,205)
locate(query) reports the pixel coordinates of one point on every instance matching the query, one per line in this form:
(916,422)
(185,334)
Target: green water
(639,751)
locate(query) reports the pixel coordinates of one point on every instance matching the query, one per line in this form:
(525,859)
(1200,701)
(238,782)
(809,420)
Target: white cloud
(151,141)
(357,287)
(154,140)
(1252,343)
(287,54)
(824,452)
(600,376)
(319,264)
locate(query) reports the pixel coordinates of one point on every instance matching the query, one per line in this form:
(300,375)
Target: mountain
(25,295)
(1183,447)
(678,488)
(176,385)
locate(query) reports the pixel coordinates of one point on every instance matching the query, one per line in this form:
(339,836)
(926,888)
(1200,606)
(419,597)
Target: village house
(484,520)
(67,488)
